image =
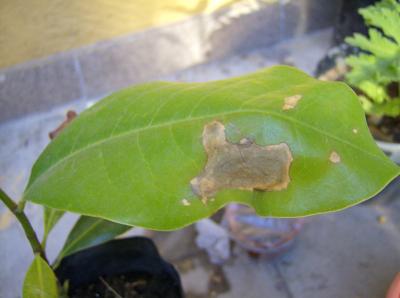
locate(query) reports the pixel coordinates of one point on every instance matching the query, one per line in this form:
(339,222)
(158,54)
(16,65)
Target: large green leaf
(90,231)
(40,281)
(130,158)
(50,218)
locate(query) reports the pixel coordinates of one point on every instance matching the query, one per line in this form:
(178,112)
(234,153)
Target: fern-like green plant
(375,71)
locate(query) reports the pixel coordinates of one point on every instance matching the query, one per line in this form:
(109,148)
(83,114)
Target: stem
(110,288)
(18,211)
(44,240)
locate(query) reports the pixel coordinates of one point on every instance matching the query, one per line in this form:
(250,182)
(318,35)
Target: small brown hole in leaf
(245,166)
(291,102)
(334,157)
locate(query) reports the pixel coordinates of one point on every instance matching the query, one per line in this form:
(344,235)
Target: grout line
(285,284)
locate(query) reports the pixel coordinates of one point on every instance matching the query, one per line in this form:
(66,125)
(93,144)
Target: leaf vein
(185,120)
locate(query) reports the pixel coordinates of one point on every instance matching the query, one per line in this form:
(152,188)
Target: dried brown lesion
(290,102)
(244,165)
(334,157)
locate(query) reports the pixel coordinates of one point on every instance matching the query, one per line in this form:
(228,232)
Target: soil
(126,286)
(349,20)
(385,129)
(129,268)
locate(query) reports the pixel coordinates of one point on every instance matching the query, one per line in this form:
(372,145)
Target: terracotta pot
(394,289)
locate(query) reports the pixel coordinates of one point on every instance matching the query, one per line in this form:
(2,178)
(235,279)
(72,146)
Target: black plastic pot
(349,20)
(134,259)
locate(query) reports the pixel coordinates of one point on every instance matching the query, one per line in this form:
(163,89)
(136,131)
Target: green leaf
(363,68)
(384,15)
(90,231)
(372,73)
(50,218)
(389,108)
(374,91)
(130,158)
(370,68)
(376,44)
(40,281)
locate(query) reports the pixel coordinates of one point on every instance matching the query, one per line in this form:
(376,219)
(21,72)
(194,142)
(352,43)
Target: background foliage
(375,71)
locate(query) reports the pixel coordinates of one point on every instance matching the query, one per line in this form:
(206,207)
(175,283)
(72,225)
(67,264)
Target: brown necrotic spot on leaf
(334,157)
(185,202)
(291,102)
(245,165)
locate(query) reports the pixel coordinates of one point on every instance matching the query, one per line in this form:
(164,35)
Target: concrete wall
(94,70)
(38,28)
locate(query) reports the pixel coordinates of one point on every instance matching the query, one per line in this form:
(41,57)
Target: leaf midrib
(39,274)
(170,123)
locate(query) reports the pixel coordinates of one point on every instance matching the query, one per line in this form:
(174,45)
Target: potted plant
(164,155)
(373,70)
(129,267)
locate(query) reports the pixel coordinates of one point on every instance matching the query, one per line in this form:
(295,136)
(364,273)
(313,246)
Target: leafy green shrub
(375,71)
